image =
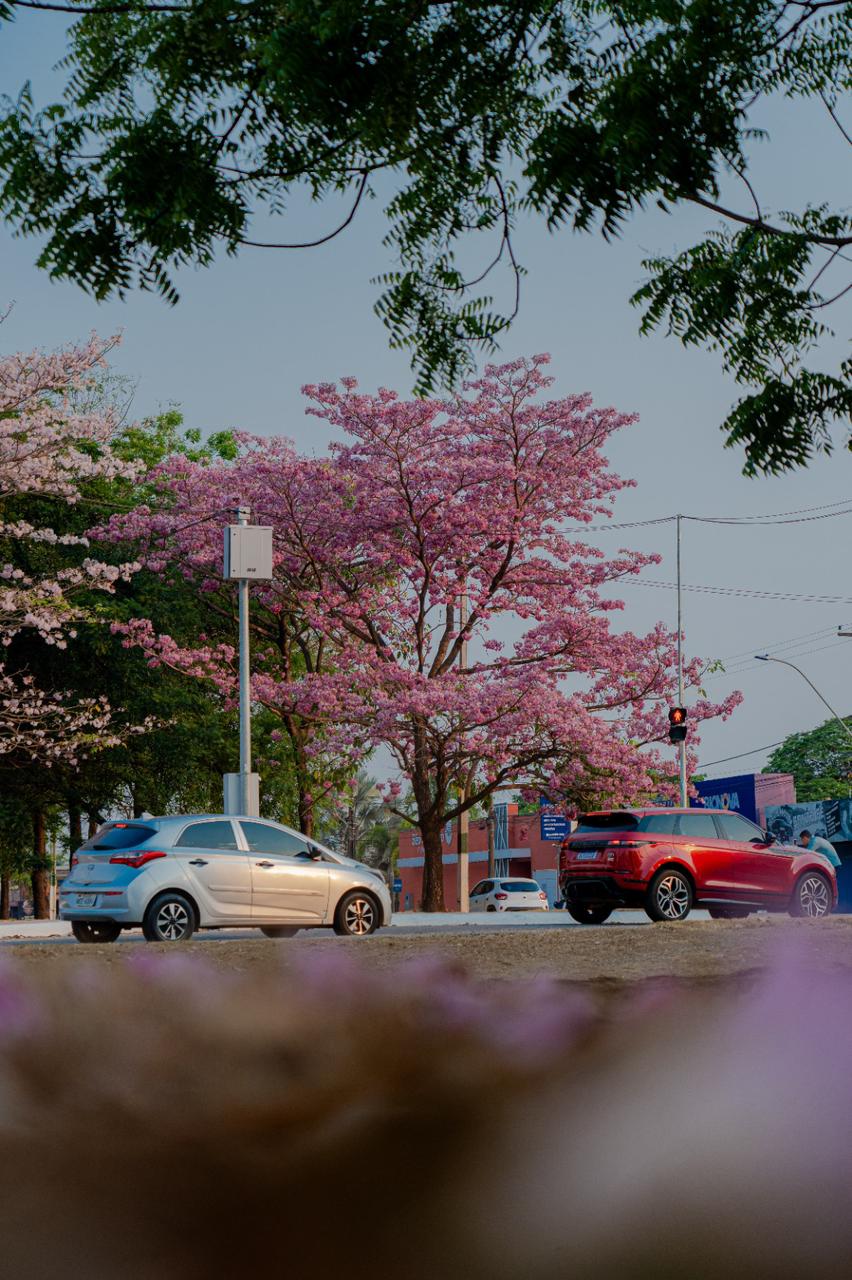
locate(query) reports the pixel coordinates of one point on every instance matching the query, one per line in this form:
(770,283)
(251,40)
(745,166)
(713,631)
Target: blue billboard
(553,824)
(735,793)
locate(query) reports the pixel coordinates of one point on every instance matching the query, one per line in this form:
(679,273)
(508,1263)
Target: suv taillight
(625,853)
(137,859)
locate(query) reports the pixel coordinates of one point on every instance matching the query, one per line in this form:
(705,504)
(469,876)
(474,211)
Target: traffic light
(677,724)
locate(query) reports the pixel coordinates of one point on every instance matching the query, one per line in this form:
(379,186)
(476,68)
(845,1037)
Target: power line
(735,672)
(740,591)
(800,515)
(755,751)
(765,648)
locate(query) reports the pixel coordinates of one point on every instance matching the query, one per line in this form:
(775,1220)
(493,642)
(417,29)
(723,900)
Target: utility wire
(711,763)
(739,591)
(766,647)
(801,515)
(736,672)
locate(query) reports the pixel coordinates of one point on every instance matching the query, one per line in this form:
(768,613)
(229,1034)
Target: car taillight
(139,859)
(625,853)
(501,897)
(543,895)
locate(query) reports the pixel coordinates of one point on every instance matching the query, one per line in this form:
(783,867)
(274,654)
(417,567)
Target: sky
(250,331)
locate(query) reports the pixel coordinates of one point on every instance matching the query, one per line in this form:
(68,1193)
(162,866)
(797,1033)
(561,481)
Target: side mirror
(314,853)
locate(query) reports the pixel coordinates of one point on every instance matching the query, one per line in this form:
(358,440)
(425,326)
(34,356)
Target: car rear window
(520,886)
(119,835)
(618,820)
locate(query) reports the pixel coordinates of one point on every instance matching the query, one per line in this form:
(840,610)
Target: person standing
(818,844)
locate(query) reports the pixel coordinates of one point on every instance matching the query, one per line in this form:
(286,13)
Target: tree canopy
(183,120)
(819,760)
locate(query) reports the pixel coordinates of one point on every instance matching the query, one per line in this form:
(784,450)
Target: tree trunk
(5,894)
(138,807)
(75,828)
(433,867)
(40,868)
(306,813)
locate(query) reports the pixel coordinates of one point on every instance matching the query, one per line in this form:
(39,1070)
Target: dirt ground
(607,957)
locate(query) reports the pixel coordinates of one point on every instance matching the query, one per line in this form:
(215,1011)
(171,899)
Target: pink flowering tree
(472,617)
(49,446)
(438,565)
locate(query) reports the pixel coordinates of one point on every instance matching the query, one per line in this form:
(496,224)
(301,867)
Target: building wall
(773,788)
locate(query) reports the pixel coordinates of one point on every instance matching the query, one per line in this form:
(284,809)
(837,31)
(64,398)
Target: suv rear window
(119,835)
(618,820)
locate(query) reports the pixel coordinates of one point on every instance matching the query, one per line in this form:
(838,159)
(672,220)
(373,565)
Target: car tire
(727,913)
(357,915)
(278,931)
(811,897)
(670,896)
(589,915)
(95,930)
(491,908)
(169,918)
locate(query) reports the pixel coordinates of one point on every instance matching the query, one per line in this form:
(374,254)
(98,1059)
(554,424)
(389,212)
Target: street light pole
(765,657)
(464,818)
(243,514)
(681,746)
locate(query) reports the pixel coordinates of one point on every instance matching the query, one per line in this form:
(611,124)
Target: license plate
(587,855)
(86,899)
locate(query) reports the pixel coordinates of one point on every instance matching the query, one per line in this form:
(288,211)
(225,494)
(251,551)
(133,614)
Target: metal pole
(464,818)
(681,746)
(245,682)
(490,823)
(765,657)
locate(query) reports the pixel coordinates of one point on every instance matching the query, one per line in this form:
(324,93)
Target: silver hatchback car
(172,876)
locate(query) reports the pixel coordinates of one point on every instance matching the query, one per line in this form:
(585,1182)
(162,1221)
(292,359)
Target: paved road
(404,924)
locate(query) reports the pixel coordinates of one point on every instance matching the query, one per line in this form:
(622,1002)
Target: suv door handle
(198,862)
(264,864)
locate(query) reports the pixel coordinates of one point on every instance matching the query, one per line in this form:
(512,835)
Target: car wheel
(357,915)
(811,897)
(491,907)
(727,913)
(670,896)
(278,931)
(589,915)
(93,931)
(169,918)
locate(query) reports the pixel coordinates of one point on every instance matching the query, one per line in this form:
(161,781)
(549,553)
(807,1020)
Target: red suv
(669,860)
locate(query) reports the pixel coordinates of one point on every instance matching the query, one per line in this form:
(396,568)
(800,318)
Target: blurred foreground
(161,1117)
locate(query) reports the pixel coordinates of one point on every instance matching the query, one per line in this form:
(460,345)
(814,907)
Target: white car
(508,894)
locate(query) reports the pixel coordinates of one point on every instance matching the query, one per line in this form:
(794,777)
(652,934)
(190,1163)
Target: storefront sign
(734,793)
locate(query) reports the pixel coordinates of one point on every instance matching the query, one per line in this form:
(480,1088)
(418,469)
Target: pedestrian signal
(677,724)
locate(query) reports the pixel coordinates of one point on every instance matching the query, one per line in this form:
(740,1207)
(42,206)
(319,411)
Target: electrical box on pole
(248,551)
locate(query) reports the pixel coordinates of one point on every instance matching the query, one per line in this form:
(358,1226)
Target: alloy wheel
(673,897)
(359,916)
(814,898)
(172,921)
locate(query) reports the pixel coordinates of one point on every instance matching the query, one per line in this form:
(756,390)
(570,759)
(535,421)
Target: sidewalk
(409,921)
(34,929)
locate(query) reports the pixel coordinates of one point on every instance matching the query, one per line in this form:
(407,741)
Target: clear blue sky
(250,331)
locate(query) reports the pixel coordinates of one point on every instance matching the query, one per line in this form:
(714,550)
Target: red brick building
(520,851)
